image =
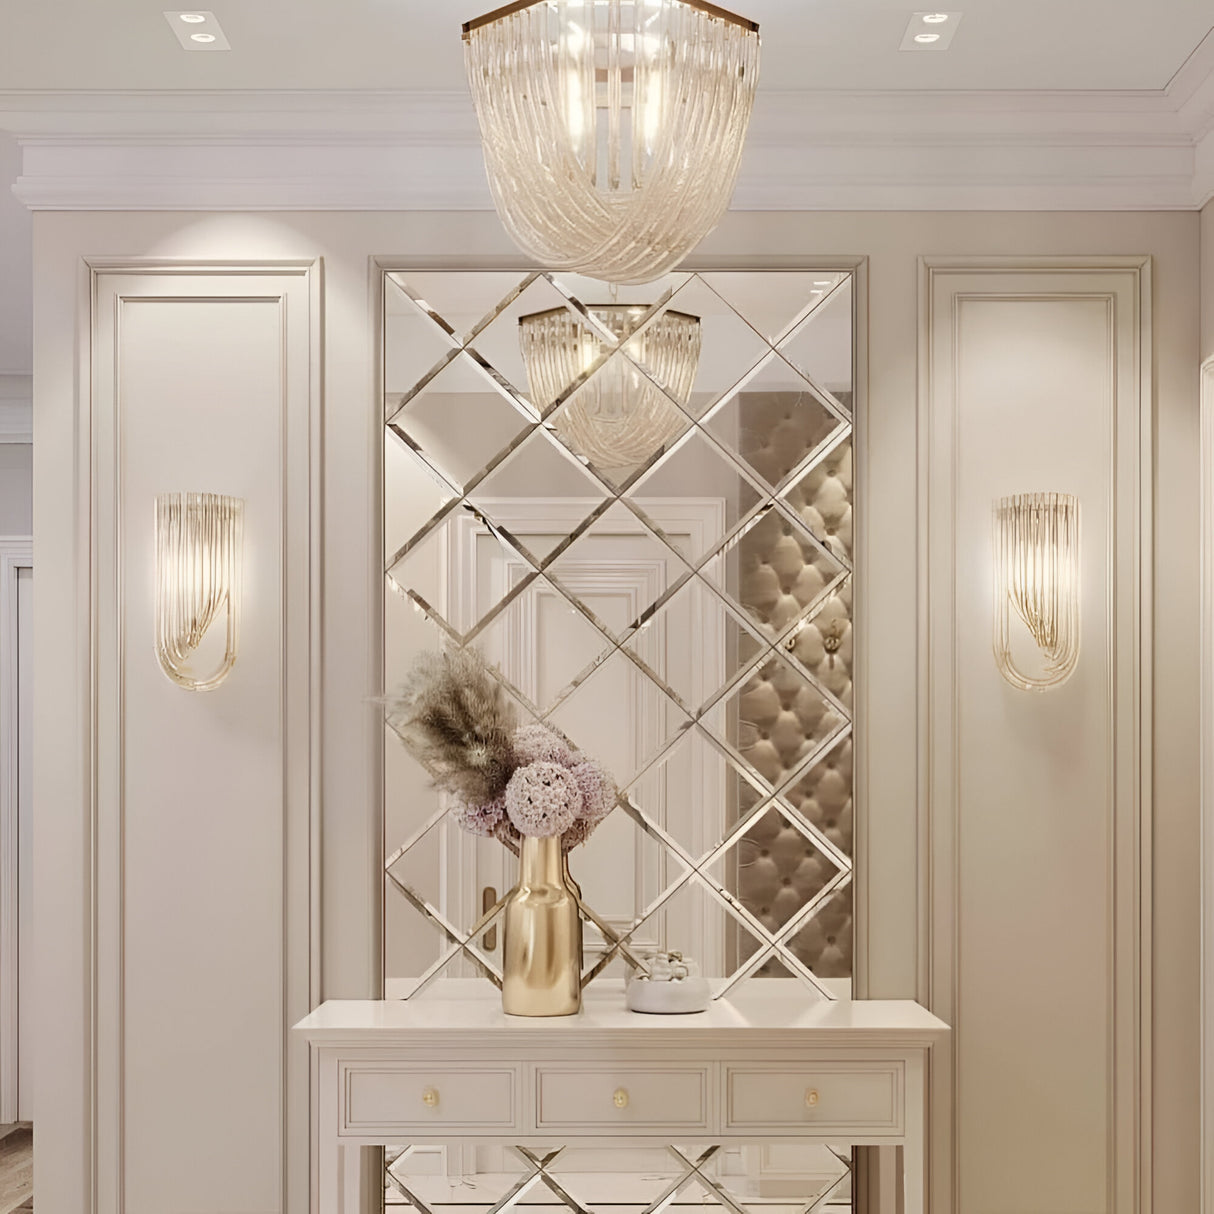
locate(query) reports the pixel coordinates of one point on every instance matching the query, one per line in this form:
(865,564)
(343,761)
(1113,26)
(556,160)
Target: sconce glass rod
(1037,577)
(198,548)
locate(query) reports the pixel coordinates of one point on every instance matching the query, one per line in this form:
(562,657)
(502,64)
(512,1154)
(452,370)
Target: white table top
(468,1011)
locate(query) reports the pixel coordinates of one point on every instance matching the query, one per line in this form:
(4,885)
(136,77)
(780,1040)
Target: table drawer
(792,1099)
(614,1098)
(383,1097)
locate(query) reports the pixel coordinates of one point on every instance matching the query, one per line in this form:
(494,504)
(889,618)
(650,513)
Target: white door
(616,572)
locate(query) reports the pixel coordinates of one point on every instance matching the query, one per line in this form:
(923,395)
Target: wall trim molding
(1129,698)
(16,553)
(1207,785)
(808,149)
(101,570)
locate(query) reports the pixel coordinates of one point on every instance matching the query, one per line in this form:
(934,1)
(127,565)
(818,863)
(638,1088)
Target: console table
(765,1065)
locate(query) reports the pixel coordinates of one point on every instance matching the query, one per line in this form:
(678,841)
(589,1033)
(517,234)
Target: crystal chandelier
(1037,576)
(612,129)
(621,416)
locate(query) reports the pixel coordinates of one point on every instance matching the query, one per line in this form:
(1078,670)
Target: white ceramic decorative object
(673,986)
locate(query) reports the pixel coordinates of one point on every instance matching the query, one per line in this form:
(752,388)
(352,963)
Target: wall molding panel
(204,807)
(1035,808)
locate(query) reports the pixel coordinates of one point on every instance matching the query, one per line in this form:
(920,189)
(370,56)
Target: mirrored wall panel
(637,505)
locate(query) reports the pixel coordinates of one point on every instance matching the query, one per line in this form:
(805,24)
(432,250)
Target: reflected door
(617,573)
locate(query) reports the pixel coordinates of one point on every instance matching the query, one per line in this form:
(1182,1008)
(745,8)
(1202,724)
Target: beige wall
(896,934)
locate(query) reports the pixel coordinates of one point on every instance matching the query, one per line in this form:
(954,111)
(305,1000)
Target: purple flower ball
(543,799)
(597,788)
(536,743)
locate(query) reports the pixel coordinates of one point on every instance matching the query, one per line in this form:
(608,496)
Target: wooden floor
(16,1168)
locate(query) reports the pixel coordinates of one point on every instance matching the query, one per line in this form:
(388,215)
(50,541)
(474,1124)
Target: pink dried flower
(543,799)
(536,743)
(482,820)
(597,788)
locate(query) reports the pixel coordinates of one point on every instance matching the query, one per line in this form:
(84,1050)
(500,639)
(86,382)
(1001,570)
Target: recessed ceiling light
(822,282)
(942,27)
(208,36)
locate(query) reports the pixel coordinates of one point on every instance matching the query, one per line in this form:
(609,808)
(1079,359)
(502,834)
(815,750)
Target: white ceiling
(409,44)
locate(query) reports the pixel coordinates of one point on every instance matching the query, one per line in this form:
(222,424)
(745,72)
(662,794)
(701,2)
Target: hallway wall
(898,933)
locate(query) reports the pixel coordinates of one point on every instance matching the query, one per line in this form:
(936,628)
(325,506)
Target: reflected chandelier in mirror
(678,604)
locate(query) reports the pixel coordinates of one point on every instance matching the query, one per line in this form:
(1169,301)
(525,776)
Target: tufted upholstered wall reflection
(778,869)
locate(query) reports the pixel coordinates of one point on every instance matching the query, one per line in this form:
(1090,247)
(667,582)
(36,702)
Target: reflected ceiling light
(1037,577)
(209,36)
(620,416)
(612,129)
(198,544)
(939,34)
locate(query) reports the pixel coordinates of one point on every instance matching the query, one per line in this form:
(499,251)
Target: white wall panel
(202,381)
(1037,379)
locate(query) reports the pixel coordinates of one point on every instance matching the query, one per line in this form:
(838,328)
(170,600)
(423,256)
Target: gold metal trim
(702,6)
(595,307)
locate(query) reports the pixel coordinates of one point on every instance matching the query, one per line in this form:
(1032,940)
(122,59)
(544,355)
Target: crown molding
(807,149)
(16,409)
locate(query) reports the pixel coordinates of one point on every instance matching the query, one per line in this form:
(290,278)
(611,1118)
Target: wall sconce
(198,546)
(1037,574)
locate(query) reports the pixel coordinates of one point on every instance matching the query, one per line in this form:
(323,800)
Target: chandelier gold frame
(711,10)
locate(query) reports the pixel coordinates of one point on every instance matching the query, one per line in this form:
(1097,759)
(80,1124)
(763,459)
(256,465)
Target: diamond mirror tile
(668,582)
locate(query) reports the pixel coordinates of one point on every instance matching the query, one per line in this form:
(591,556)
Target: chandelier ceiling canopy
(626,408)
(612,129)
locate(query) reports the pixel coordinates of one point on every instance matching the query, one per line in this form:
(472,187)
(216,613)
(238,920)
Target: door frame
(1207,784)
(16,553)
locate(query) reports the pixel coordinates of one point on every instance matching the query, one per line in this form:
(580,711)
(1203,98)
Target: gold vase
(542,936)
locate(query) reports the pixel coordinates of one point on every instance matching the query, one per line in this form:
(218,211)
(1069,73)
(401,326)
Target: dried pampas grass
(453,716)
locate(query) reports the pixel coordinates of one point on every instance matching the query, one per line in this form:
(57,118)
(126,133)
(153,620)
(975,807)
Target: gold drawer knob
(430,1098)
(811,1098)
(620,1098)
